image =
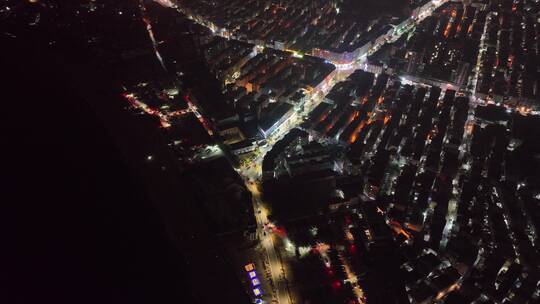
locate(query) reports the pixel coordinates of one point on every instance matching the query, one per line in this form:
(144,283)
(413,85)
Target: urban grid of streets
(251,170)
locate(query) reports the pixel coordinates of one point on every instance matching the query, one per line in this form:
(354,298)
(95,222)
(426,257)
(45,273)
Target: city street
(280,294)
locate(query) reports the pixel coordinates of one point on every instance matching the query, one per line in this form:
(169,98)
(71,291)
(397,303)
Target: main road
(280,292)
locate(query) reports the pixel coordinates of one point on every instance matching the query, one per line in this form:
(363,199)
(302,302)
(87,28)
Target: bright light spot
(297,54)
(304,250)
(249,267)
(289,246)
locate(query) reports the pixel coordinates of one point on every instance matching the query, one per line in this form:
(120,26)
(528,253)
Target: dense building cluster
(263,89)
(445,45)
(444,175)
(490,48)
(299,25)
(508,64)
(347,256)
(328,29)
(442,50)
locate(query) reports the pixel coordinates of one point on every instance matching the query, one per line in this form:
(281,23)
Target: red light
(336,285)
(280,231)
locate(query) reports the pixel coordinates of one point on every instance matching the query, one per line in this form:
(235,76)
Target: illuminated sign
(249,267)
(257,291)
